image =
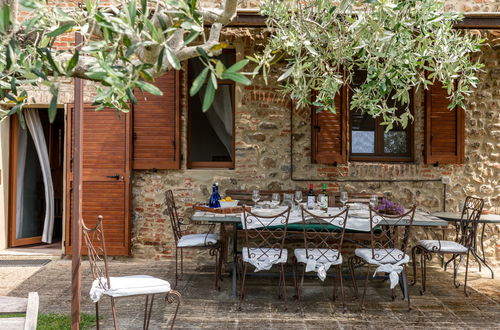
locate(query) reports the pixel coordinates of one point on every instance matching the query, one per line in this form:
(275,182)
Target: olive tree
(125,46)
(401,44)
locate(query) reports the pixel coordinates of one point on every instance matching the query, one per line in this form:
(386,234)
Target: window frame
(379,155)
(212,164)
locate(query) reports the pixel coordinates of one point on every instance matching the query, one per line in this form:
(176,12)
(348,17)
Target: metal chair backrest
(385,237)
(96,248)
(174,217)
(260,234)
(467,228)
(319,234)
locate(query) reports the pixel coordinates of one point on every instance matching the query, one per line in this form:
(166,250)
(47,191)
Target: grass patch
(54,321)
(4,316)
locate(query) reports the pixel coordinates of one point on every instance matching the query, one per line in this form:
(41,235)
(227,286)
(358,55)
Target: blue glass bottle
(213,202)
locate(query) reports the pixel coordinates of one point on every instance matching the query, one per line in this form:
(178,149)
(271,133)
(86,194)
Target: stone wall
(263,159)
(264,156)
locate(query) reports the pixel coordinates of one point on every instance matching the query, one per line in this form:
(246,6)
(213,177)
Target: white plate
(268,212)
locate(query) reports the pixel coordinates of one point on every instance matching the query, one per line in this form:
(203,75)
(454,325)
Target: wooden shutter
(329,133)
(156,126)
(444,128)
(105,176)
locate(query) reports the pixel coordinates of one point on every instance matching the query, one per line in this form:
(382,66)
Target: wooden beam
(251,18)
(487,21)
(76,229)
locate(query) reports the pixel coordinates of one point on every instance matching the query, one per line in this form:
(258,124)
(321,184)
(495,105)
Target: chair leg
(182,263)
(295,281)
(283,282)
(455,271)
(302,280)
(97,315)
(176,267)
(414,259)
(342,293)
(354,284)
(423,269)
(113,308)
(334,291)
(147,312)
(242,289)
(362,303)
(466,273)
(217,269)
(173,296)
(405,273)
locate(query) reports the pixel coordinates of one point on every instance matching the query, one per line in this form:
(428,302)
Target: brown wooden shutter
(105,176)
(444,128)
(329,133)
(157,126)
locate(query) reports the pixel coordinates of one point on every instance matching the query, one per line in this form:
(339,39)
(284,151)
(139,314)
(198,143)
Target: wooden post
(76,229)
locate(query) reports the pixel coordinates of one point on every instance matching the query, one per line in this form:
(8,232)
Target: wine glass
(298,197)
(255,196)
(343,198)
(275,200)
(373,201)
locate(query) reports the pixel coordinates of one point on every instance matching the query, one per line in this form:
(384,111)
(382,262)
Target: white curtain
(21,165)
(220,116)
(36,130)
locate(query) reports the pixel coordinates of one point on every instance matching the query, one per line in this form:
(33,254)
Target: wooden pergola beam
(251,18)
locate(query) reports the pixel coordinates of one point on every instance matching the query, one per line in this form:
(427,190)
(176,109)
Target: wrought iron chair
(465,236)
(323,238)
(183,241)
(264,241)
(387,250)
(124,286)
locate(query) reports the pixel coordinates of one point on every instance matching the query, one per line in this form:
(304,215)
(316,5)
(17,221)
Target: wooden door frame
(13,158)
(69,182)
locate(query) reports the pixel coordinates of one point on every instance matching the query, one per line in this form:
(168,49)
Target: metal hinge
(317,127)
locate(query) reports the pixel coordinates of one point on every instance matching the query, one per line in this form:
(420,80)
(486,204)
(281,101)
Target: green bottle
(324,199)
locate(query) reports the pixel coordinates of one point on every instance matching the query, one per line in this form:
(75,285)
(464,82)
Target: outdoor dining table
(421,219)
(484,220)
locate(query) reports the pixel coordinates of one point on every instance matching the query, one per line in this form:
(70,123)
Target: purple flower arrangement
(388,207)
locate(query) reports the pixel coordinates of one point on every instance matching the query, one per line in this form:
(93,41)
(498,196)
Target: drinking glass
(298,198)
(373,201)
(343,198)
(288,199)
(275,201)
(255,196)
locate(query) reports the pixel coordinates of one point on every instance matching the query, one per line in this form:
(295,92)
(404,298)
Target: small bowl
(233,203)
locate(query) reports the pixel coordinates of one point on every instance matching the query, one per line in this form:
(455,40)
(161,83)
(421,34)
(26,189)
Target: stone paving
(442,306)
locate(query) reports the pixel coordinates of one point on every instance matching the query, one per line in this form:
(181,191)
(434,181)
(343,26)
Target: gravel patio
(443,306)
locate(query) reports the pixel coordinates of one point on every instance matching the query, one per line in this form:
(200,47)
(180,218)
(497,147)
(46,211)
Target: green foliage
(402,44)
(125,47)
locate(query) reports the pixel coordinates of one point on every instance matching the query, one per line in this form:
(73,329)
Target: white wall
(4,181)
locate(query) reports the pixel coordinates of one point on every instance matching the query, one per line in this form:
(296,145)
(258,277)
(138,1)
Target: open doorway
(36,188)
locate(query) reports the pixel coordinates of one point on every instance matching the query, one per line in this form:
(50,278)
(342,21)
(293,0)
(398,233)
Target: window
(368,139)
(211,133)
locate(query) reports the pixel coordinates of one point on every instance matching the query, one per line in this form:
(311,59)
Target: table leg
(483,258)
(235,259)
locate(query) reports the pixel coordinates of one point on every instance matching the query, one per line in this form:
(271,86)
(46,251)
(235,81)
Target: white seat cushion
(330,256)
(197,240)
(264,258)
(125,286)
(382,256)
(442,246)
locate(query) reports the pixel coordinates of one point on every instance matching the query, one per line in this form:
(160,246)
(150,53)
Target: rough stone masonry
(264,159)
